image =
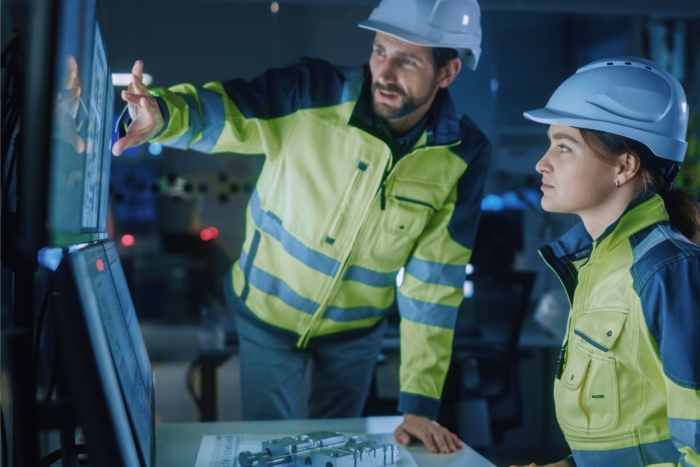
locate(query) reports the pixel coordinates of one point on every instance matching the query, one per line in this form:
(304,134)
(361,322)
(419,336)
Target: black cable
(53,380)
(190,384)
(54,371)
(7,139)
(4,438)
(9,135)
(40,324)
(58,454)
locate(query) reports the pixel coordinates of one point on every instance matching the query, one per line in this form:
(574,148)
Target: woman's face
(574,179)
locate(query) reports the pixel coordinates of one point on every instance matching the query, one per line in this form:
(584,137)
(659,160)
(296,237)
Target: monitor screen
(95,132)
(105,302)
(80,136)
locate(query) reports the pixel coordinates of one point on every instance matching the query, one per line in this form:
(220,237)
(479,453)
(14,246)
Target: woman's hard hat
(626,96)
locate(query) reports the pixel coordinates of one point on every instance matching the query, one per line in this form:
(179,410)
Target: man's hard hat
(454,24)
(626,96)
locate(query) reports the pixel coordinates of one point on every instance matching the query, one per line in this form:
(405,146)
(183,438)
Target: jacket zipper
(332,231)
(382,186)
(561,361)
(415,201)
(304,336)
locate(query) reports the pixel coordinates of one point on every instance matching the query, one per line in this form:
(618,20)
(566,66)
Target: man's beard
(408,104)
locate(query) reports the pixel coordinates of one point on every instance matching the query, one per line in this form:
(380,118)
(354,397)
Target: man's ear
(449,72)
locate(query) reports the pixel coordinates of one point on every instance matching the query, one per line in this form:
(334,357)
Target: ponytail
(682,207)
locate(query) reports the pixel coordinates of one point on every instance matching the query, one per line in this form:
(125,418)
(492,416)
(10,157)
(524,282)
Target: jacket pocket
(588,401)
(403,221)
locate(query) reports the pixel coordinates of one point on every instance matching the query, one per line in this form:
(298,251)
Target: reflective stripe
(337,313)
(195,124)
(660,452)
(276,287)
(247,262)
(214,119)
(369,277)
(432,314)
(655,237)
(437,273)
(272,225)
(642,455)
(418,405)
(685,433)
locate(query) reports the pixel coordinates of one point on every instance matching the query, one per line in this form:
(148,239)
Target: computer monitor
(67,128)
(104,364)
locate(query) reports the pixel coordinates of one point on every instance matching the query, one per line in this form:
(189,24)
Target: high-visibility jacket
(627,390)
(332,220)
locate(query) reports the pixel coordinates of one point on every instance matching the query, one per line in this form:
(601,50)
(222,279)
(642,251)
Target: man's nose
(387,73)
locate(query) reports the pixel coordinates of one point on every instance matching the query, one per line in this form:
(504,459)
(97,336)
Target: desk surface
(177,443)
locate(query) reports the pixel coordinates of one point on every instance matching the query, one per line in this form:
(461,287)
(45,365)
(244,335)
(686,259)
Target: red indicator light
(128,240)
(100,265)
(210,233)
(205,235)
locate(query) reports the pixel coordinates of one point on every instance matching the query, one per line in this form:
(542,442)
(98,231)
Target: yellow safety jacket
(332,219)
(627,390)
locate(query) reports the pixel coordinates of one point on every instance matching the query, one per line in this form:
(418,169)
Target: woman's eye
(380,52)
(563,148)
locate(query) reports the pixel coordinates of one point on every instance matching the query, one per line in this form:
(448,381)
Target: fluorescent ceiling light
(123,79)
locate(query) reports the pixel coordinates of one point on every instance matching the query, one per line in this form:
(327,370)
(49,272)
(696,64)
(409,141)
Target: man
(367,171)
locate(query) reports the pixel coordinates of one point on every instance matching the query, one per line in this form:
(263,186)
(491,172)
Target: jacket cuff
(125,119)
(166,116)
(414,404)
(569,461)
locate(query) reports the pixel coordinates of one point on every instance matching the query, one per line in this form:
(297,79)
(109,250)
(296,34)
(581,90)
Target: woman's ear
(629,165)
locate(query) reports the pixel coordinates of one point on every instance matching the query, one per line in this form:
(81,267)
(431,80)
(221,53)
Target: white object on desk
(223,450)
(177,443)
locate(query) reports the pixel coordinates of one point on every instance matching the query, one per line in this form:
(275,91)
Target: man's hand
(435,437)
(146,117)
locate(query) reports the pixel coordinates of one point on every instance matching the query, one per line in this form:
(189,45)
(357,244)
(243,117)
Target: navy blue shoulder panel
(307,84)
(666,275)
(475,150)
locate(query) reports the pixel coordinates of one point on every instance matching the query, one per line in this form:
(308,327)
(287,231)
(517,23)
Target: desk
(177,443)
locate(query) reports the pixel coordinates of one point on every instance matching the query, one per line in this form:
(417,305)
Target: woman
(627,389)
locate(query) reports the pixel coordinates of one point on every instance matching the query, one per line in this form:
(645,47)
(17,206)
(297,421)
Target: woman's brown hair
(683,208)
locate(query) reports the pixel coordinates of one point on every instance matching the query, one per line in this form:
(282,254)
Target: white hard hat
(627,96)
(454,24)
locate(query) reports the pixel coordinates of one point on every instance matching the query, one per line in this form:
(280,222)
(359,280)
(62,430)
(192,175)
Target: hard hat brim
(661,146)
(409,37)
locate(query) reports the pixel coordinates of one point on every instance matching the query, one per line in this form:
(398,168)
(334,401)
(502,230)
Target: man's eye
(407,61)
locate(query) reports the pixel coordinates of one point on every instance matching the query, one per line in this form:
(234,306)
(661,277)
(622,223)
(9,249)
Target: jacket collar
(442,128)
(644,210)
